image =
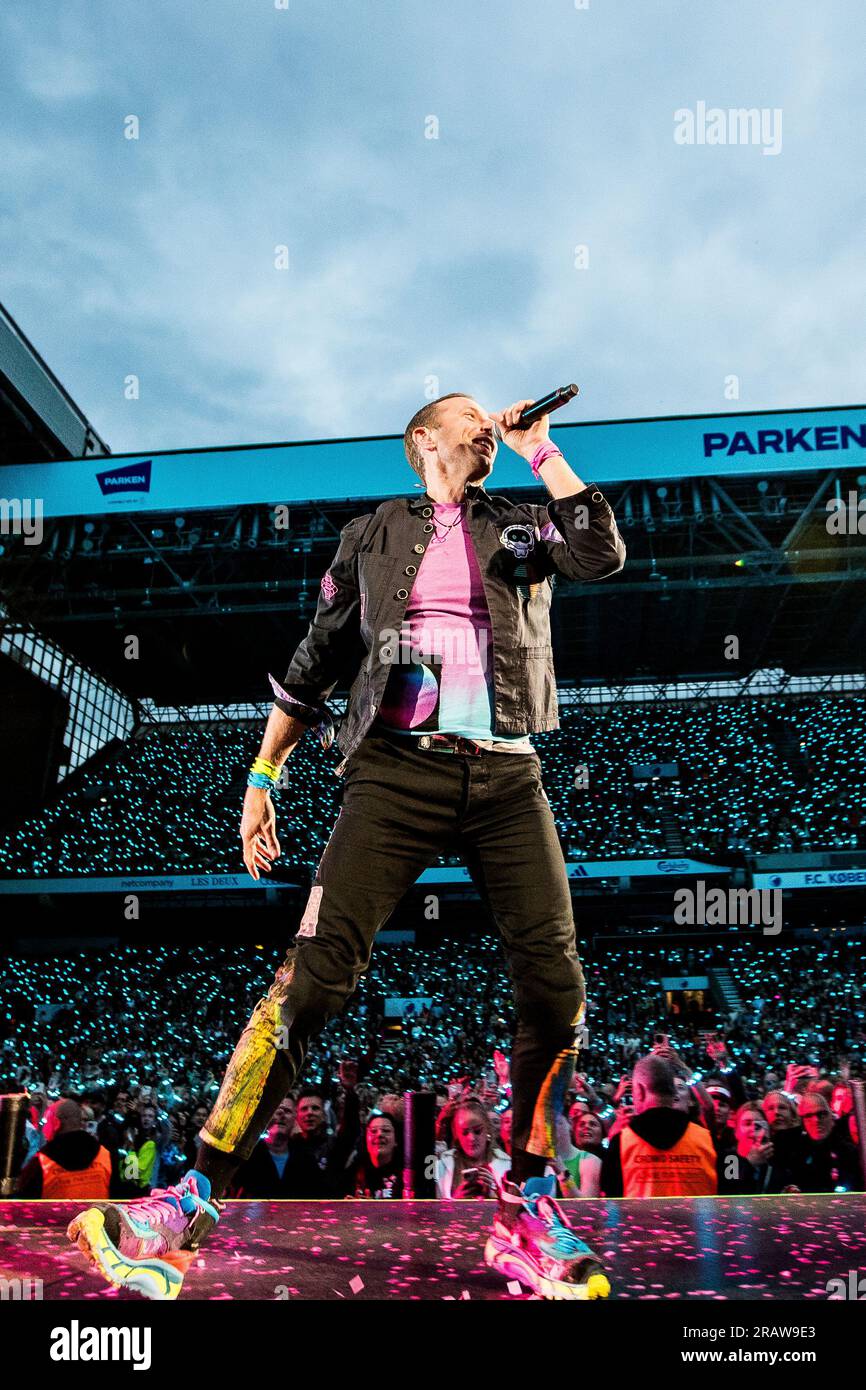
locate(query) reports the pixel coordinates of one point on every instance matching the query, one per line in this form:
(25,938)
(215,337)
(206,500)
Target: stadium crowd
(753,775)
(123,1064)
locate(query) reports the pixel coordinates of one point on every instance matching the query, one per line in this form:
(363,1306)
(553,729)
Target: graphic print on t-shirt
(411,699)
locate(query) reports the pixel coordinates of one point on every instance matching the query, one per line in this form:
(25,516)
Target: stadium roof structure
(38,417)
(219,597)
(212,557)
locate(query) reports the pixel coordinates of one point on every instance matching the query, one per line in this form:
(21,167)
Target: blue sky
(410,258)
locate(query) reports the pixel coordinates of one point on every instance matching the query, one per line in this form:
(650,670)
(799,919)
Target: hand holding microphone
(524,425)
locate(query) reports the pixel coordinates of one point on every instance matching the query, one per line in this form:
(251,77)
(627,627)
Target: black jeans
(401,807)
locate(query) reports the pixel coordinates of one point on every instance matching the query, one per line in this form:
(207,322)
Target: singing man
(436,608)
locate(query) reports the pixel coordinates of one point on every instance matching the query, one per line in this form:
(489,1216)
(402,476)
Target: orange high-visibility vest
(62,1183)
(688,1169)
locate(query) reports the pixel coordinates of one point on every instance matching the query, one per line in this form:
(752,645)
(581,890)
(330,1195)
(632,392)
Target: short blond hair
(423,419)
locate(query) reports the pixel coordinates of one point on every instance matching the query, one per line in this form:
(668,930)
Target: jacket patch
(328,586)
(518,539)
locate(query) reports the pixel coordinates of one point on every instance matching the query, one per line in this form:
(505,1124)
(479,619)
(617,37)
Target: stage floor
(688,1249)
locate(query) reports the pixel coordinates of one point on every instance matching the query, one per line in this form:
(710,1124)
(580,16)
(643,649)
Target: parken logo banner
(808,439)
(130,477)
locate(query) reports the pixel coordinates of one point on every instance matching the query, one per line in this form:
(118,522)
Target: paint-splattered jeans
(401,807)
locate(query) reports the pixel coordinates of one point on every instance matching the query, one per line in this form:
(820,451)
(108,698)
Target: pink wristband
(544,451)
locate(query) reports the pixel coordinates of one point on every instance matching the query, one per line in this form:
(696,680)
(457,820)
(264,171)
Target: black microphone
(554,400)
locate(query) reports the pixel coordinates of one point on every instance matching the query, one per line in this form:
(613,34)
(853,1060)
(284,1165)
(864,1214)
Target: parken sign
(809,439)
(603,451)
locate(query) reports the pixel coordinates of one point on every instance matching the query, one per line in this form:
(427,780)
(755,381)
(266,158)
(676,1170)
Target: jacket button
(402,593)
(410,569)
(386,653)
(419,549)
(428,511)
(428,526)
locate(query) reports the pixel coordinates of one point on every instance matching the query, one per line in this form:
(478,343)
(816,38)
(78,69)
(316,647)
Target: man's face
(816,1115)
(779,1111)
(282,1124)
(722,1107)
(286,1113)
(843,1101)
(577,1112)
(588,1130)
(148,1119)
(465,438)
(310,1115)
(683,1097)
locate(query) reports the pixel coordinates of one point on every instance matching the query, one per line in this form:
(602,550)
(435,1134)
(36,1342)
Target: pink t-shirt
(442,677)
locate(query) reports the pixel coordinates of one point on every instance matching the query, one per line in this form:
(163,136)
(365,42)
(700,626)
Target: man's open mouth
(486,441)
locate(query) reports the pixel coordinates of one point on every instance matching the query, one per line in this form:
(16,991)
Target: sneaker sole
(515,1264)
(154,1279)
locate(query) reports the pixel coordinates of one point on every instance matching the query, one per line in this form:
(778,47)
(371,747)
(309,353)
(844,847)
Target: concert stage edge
(732,1281)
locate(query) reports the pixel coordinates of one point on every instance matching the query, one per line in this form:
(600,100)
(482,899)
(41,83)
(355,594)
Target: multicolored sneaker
(149,1244)
(533,1243)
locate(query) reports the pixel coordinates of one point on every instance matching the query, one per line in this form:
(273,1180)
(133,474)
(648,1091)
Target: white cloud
(412,257)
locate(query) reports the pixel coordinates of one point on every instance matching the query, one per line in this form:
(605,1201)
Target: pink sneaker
(148,1245)
(533,1243)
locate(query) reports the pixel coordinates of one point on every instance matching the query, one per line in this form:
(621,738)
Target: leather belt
(448,743)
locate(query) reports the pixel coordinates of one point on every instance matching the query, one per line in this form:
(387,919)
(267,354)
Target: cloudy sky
(420,265)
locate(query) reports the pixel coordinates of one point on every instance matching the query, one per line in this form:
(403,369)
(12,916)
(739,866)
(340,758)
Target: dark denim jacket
(366,589)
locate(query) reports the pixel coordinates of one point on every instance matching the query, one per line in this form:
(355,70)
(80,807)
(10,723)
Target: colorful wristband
(325,728)
(543,452)
(259,779)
